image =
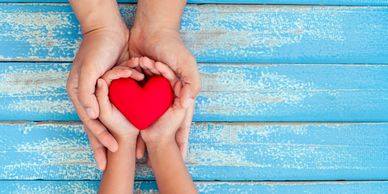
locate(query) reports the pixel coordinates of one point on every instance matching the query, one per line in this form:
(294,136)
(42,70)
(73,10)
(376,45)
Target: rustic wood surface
(231,92)
(294,99)
(217,33)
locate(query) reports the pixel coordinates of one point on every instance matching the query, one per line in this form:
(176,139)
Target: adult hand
(166,46)
(104,44)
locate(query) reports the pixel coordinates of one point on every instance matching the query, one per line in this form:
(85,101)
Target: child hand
(110,116)
(165,128)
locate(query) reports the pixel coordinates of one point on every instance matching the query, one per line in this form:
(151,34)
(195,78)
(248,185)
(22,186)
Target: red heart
(142,106)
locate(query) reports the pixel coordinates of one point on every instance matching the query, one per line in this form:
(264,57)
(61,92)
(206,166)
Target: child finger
(116,73)
(134,62)
(134,73)
(122,72)
(166,72)
(148,72)
(149,64)
(102,97)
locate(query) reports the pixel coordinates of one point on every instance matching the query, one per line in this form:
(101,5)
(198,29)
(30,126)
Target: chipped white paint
(62,148)
(216,157)
(264,90)
(40,30)
(48,105)
(265,28)
(32,82)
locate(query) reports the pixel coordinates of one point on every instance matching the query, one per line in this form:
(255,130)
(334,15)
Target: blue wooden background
(294,99)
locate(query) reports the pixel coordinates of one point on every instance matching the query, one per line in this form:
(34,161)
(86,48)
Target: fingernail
(90,112)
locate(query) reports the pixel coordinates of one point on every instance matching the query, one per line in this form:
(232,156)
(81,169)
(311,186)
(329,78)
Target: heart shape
(142,106)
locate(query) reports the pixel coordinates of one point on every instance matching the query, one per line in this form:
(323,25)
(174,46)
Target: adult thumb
(86,90)
(191,82)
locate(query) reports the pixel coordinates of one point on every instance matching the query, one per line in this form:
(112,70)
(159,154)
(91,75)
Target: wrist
(99,15)
(126,139)
(158,15)
(155,145)
(126,142)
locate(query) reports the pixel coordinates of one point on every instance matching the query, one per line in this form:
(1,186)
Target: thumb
(86,91)
(191,81)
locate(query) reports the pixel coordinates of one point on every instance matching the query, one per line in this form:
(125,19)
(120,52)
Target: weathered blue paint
(332,88)
(227,33)
(231,92)
(275,2)
(218,151)
(343,187)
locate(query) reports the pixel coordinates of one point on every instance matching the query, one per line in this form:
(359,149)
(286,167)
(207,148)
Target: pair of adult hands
(103,48)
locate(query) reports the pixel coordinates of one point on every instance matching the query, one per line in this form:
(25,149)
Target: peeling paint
(49,105)
(32,82)
(40,31)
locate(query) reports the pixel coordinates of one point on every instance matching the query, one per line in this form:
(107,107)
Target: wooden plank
(231,92)
(218,151)
(273,2)
(149,187)
(215,33)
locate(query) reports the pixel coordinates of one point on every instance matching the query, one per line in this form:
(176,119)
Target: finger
(116,73)
(72,89)
(148,72)
(166,72)
(121,72)
(129,63)
(149,64)
(134,73)
(137,75)
(188,73)
(98,149)
(186,96)
(182,136)
(140,148)
(145,64)
(102,134)
(134,62)
(87,83)
(95,126)
(102,97)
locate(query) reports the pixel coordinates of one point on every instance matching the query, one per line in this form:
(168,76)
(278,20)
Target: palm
(167,47)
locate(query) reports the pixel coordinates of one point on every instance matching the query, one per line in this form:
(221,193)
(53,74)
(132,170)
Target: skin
(120,171)
(160,139)
(108,42)
(163,151)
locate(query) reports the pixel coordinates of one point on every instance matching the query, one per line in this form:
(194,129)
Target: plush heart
(142,106)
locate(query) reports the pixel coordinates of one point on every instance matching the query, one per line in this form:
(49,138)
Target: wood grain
(231,92)
(217,33)
(149,187)
(217,151)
